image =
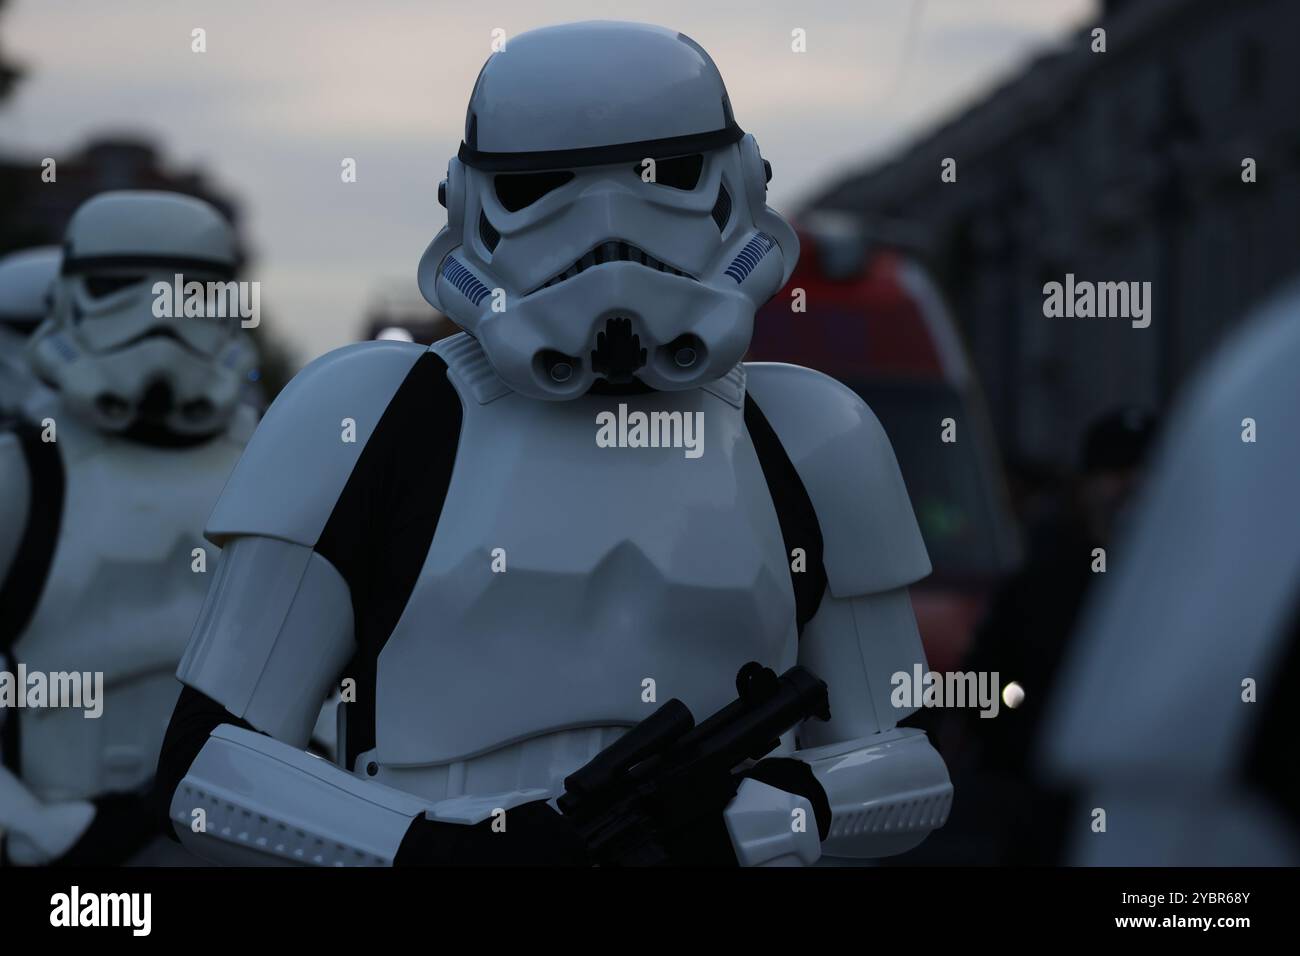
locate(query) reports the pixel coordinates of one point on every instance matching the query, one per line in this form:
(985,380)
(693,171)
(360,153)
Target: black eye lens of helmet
(519,190)
(100,286)
(680,172)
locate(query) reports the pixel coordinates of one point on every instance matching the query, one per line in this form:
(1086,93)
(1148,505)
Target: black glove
(124,823)
(535,835)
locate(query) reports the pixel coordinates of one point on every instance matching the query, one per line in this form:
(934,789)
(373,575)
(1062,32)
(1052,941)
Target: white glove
(34,832)
(772,827)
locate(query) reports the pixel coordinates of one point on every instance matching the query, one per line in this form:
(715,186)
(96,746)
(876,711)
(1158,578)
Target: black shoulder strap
(794,510)
(1274,726)
(25,581)
(380,530)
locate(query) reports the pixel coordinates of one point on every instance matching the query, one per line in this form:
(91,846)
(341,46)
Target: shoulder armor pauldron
(301,455)
(844,458)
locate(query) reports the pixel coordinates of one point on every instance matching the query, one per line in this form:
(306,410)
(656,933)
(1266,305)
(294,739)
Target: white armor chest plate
(623,565)
(120,598)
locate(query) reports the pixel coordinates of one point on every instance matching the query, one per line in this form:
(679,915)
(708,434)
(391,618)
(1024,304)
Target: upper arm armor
(299,459)
(272,637)
(871,542)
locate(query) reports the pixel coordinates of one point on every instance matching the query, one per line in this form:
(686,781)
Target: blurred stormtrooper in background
(105,484)
(26,286)
(501,586)
(1178,709)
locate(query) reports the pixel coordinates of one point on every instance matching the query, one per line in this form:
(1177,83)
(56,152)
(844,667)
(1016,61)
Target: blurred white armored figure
(105,482)
(26,287)
(1177,722)
(511,547)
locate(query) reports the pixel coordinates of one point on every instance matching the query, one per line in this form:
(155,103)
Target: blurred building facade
(1117,166)
(9,71)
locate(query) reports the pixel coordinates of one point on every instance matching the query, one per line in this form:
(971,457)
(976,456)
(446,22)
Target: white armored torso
(567,591)
(119,598)
(614,567)
(504,588)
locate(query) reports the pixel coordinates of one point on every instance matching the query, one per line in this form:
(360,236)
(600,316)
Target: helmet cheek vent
(487,232)
(722,209)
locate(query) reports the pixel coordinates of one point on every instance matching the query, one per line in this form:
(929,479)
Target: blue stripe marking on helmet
(750,256)
(464,281)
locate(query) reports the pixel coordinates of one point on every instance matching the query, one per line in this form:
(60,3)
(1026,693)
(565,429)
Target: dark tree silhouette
(9,73)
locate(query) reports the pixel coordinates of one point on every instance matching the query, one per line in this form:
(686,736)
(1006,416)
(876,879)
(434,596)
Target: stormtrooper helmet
(26,284)
(115,345)
(606,217)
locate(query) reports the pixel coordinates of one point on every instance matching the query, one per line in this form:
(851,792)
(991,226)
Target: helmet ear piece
(427,272)
(757,172)
(754,171)
(451,193)
(454,194)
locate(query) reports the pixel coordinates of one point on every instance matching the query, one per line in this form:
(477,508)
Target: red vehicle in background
(874,320)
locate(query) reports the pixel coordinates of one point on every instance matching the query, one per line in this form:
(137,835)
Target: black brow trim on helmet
(79,265)
(600,155)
